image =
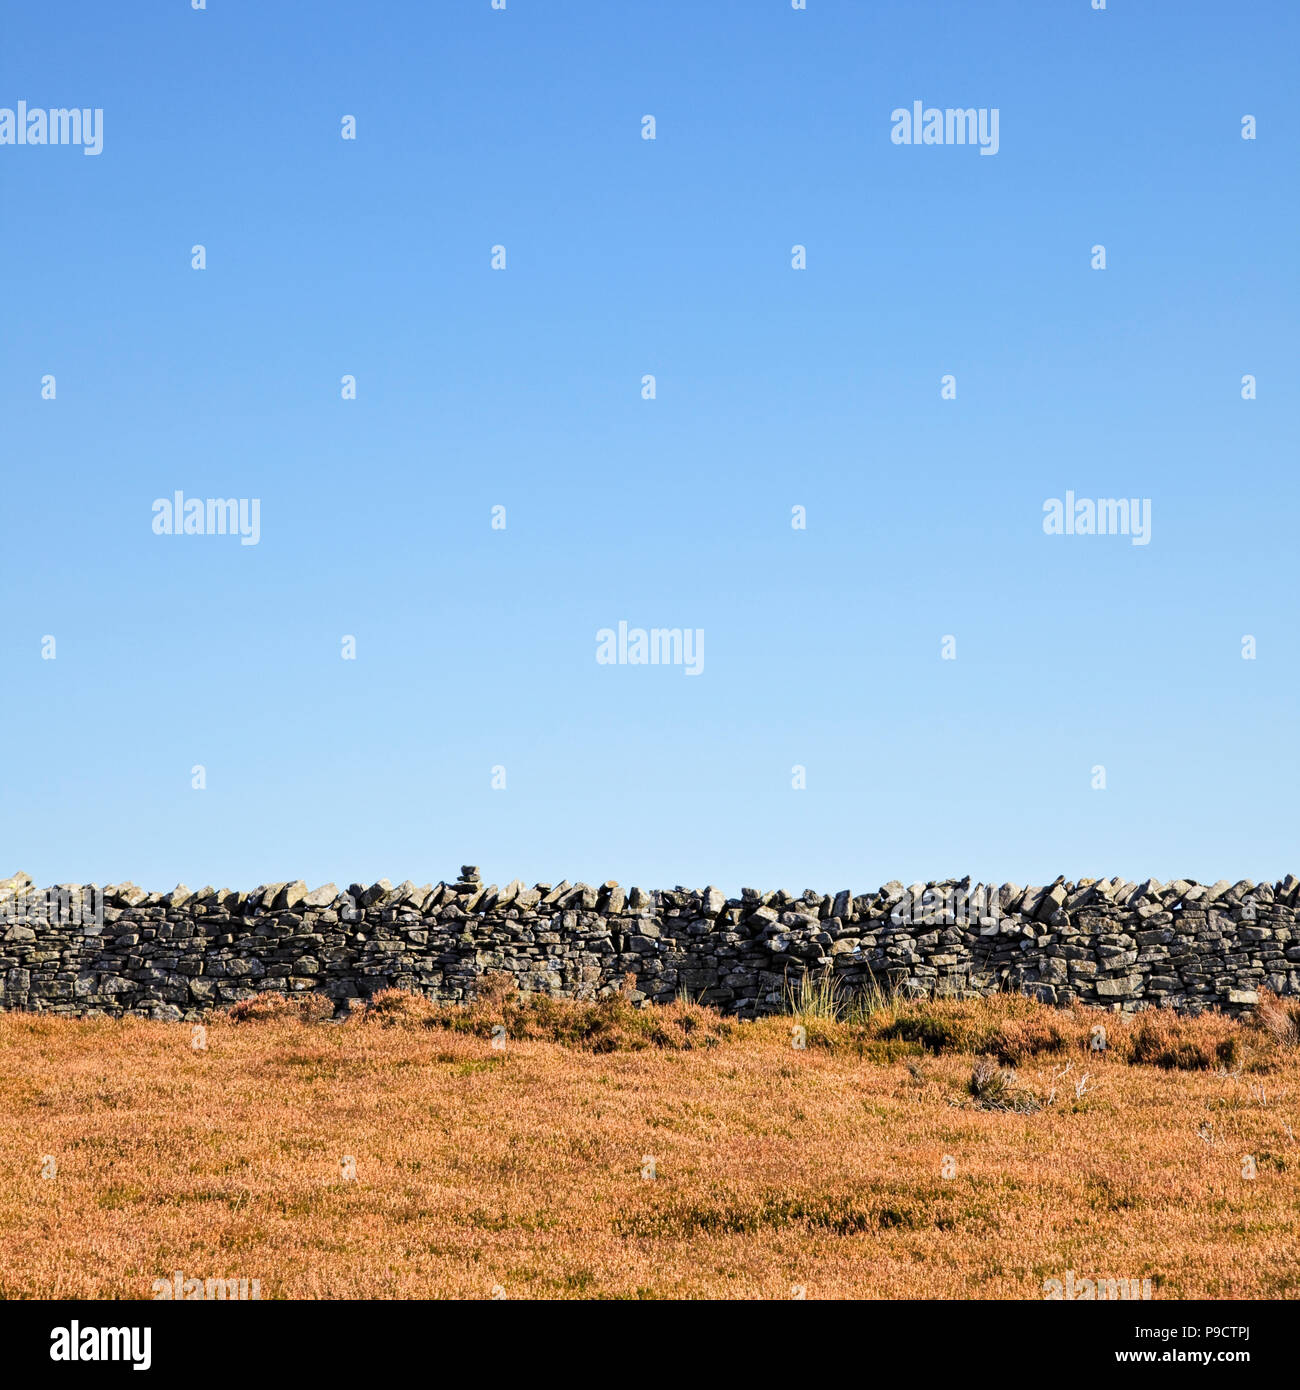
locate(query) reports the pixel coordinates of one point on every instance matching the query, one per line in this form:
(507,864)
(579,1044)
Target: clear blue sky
(776,388)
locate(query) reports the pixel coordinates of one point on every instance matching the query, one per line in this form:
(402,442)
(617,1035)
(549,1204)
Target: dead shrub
(611,1024)
(397,1008)
(271,1008)
(497,988)
(1019,1039)
(1012,1028)
(1162,1038)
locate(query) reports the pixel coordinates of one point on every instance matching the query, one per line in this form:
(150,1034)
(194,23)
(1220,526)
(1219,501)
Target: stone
(290,897)
(376,893)
(1052,899)
(1118,988)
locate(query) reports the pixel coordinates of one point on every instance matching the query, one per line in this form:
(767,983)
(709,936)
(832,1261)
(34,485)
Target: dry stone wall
(1123,945)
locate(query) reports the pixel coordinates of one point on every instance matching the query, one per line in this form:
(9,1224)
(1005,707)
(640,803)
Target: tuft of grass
(823,998)
(992,1088)
(1278,1018)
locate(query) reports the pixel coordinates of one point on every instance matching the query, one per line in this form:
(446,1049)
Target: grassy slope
(775,1166)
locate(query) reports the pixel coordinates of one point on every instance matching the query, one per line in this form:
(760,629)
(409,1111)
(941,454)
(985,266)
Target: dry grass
(992,1088)
(1279,1018)
(520,1166)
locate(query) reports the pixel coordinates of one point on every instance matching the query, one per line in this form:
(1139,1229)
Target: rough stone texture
(1103,942)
